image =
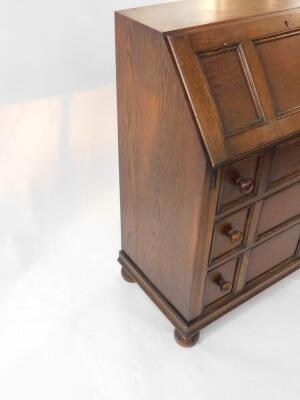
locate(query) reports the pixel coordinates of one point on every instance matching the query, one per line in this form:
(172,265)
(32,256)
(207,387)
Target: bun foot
(186,341)
(126,275)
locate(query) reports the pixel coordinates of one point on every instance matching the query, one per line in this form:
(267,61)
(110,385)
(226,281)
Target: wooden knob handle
(225,286)
(235,236)
(245,185)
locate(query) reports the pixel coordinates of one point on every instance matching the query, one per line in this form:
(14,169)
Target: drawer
(280,248)
(286,162)
(279,208)
(230,233)
(239,182)
(219,282)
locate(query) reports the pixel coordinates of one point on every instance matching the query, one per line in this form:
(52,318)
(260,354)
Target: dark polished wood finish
(230,233)
(219,281)
(186,341)
(126,275)
(285,164)
(209,152)
(186,15)
(245,185)
(233,188)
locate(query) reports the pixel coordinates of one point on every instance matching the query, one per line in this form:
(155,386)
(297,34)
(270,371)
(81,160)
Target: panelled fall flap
(243,82)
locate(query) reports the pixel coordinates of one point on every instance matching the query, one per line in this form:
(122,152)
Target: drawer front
(286,162)
(219,282)
(239,182)
(230,233)
(279,208)
(273,252)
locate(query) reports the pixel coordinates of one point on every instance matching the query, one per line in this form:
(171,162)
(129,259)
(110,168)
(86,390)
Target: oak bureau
(209,152)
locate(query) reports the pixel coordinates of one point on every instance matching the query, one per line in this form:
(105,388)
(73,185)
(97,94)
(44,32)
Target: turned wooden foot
(126,275)
(186,341)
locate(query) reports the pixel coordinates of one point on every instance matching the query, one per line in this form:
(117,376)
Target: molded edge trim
(168,310)
(189,328)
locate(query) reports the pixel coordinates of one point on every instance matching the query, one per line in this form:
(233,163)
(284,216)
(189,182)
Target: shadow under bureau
(209,153)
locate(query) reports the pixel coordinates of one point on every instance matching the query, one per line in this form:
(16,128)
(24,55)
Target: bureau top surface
(186,14)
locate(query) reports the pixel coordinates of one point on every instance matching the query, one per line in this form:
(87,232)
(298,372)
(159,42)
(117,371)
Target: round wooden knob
(225,286)
(245,185)
(235,236)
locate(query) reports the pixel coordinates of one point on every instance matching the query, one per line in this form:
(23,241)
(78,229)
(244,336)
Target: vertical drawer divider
(265,169)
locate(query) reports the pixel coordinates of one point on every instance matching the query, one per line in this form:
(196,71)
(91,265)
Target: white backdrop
(70,328)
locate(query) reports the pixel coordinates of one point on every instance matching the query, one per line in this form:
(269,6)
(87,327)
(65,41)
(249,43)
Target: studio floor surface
(70,327)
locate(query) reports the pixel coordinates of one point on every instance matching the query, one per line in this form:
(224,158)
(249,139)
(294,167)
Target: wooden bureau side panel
(163,175)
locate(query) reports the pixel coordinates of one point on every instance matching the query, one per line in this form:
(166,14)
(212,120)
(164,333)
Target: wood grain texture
(275,211)
(237,119)
(230,193)
(257,285)
(162,164)
(213,291)
(238,107)
(283,75)
(221,242)
(280,249)
(209,154)
(285,164)
(205,232)
(216,310)
(199,94)
(186,14)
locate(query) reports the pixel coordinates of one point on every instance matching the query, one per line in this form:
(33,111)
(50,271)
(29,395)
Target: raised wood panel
(279,208)
(213,291)
(281,62)
(273,252)
(286,162)
(209,87)
(231,89)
